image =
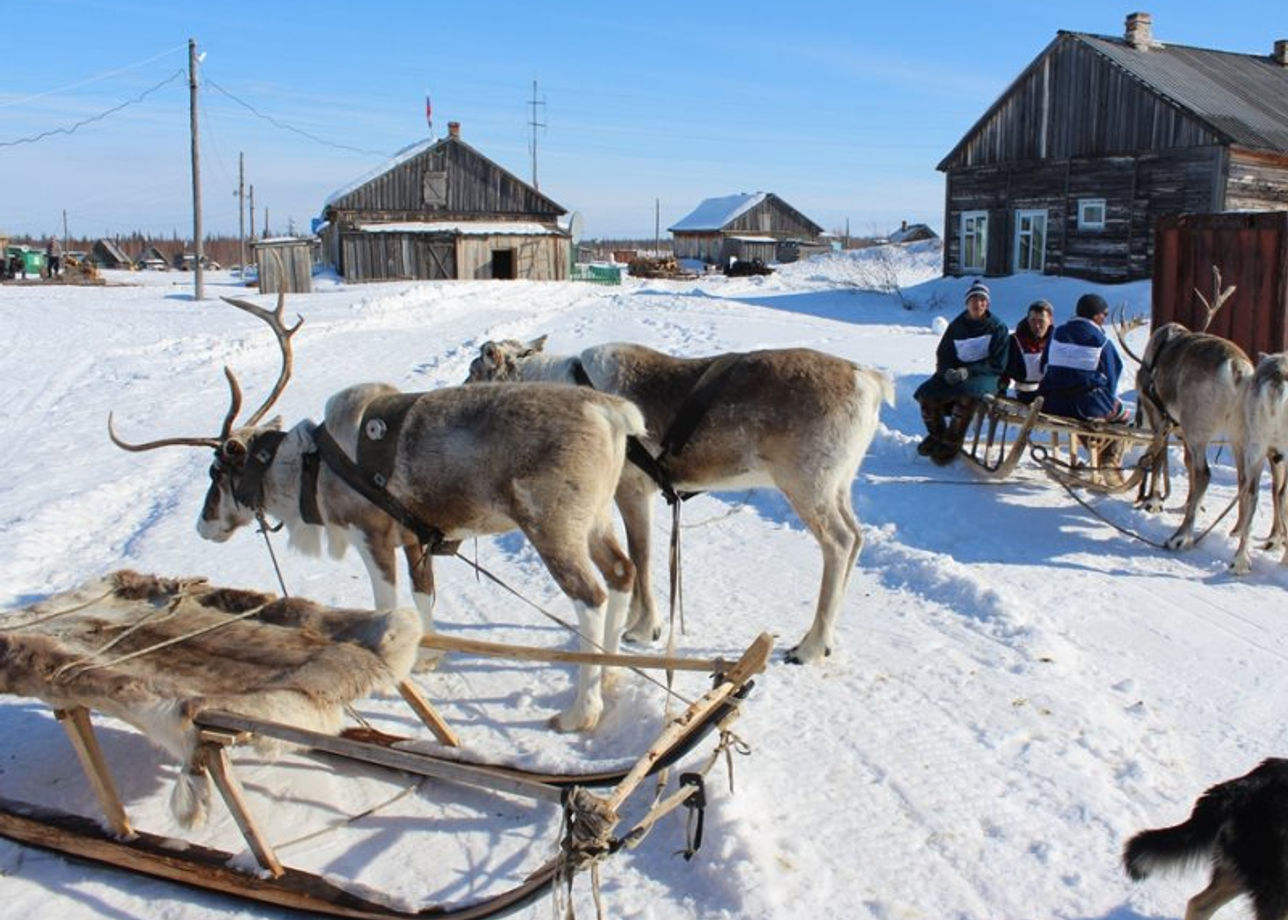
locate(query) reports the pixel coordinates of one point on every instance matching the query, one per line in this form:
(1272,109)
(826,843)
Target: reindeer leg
(619,573)
(1278,489)
(1196,465)
(837,533)
(420,568)
(635,497)
(1249,486)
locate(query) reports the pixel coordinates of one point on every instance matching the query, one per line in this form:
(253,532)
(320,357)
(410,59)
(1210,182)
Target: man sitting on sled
(969,363)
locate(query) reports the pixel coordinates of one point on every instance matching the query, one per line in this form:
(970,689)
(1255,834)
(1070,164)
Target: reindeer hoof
(1178,543)
(795,656)
(1240,567)
(639,638)
(573,721)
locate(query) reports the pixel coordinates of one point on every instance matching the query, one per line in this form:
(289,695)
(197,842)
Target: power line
(285,127)
(99,117)
(89,80)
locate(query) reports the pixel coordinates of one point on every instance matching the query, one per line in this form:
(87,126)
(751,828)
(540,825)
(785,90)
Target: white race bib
(971,350)
(1033,365)
(1078,357)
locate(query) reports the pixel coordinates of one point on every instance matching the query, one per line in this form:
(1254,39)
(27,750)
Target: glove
(954,375)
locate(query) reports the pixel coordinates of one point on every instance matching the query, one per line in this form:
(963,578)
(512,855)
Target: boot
(932,416)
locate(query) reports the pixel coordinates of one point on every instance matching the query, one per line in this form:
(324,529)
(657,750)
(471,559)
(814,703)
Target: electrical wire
(99,117)
(285,127)
(89,80)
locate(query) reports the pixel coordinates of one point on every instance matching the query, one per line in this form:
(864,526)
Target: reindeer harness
(692,411)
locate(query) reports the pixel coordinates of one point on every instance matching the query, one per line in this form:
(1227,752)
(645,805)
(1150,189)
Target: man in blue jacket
(1082,367)
(969,363)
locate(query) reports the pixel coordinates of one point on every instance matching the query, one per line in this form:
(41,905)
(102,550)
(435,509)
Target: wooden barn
(1068,172)
(107,254)
(744,226)
(442,210)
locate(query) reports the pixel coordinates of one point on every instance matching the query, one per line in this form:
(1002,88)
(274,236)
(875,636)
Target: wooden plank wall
(1251,250)
(285,267)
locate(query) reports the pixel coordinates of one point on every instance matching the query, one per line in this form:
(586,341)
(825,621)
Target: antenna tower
(534,124)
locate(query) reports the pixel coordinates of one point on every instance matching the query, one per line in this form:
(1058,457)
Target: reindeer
(792,419)
(1265,436)
(459,462)
(1193,380)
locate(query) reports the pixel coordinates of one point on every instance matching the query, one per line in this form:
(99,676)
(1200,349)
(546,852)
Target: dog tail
(1179,847)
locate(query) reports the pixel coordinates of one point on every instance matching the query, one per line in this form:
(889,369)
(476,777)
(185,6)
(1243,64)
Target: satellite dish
(575,226)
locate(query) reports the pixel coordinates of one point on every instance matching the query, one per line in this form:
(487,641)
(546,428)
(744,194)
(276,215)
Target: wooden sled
(1068,450)
(31,664)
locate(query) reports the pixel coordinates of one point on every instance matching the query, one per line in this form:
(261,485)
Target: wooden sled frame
(1002,429)
(121,846)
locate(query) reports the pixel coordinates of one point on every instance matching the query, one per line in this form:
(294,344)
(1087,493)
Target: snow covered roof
(402,156)
(465,228)
(714,213)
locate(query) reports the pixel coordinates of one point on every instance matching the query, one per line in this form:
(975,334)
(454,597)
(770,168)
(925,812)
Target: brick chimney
(454,129)
(1281,52)
(1140,31)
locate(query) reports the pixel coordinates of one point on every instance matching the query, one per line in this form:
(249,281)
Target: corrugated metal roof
(1243,97)
(715,213)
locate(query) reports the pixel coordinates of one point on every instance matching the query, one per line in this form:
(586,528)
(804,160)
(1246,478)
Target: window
(1091,213)
(1030,240)
(974,241)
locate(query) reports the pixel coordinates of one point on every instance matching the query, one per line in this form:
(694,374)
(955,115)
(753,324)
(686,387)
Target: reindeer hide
(293,661)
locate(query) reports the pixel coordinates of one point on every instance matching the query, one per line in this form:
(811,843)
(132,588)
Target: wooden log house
(1069,171)
(757,225)
(442,210)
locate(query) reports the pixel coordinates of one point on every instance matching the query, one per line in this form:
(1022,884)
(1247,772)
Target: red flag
(429,114)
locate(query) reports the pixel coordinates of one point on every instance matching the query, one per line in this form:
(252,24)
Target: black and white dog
(1241,826)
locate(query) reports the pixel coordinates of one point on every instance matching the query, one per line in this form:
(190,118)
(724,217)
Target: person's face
(977,306)
(1039,322)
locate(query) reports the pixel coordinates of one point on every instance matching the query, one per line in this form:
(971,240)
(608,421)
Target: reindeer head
(242,455)
(499,360)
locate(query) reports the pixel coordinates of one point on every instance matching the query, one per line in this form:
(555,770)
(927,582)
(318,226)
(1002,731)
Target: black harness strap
(365,484)
(248,490)
(690,414)
(309,509)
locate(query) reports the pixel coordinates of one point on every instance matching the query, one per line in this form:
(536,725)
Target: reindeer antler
(1122,326)
(275,322)
(186,442)
(1220,295)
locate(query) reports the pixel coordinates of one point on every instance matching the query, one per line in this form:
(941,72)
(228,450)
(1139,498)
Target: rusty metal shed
(1251,251)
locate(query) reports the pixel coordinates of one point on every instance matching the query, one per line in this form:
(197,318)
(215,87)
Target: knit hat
(978,288)
(1091,305)
(1042,305)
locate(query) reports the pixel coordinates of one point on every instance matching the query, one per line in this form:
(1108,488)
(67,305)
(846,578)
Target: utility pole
(241,210)
(535,125)
(266,230)
(199,291)
(252,212)
(64,228)
(657,226)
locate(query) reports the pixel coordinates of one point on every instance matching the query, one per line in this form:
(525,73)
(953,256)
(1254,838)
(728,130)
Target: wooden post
(214,756)
(433,721)
(533,653)
(80,731)
(199,291)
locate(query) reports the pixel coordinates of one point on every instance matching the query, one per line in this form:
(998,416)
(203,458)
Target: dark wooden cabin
(107,254)
(743,226)
(1068,172)
(442,210)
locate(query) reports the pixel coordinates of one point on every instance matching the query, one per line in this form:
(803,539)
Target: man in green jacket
(969,363)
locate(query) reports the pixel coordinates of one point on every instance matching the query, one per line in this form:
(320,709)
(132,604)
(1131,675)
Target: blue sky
(841,108)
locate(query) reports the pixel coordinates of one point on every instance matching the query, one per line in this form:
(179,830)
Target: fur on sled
(290,661)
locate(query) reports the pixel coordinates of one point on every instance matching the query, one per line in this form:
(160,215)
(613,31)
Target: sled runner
(200,670)
(1076,453)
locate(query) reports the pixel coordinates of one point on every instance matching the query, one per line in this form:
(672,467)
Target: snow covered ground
(1016,688)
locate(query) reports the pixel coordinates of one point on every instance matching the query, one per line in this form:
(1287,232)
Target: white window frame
(1087,204)
(974,240)
(1026,222)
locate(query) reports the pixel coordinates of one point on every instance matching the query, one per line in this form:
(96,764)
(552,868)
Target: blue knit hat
(978,288)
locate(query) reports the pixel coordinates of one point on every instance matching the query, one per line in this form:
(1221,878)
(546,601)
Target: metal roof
(716,213)
(1242,97)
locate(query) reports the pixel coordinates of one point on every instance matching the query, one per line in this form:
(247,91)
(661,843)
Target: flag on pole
(429,114)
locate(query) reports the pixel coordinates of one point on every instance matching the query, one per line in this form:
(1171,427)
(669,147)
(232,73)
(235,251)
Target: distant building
(154,259)
(440,209)
(1070,169)
(745,226)
(107,254)
(912,233)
